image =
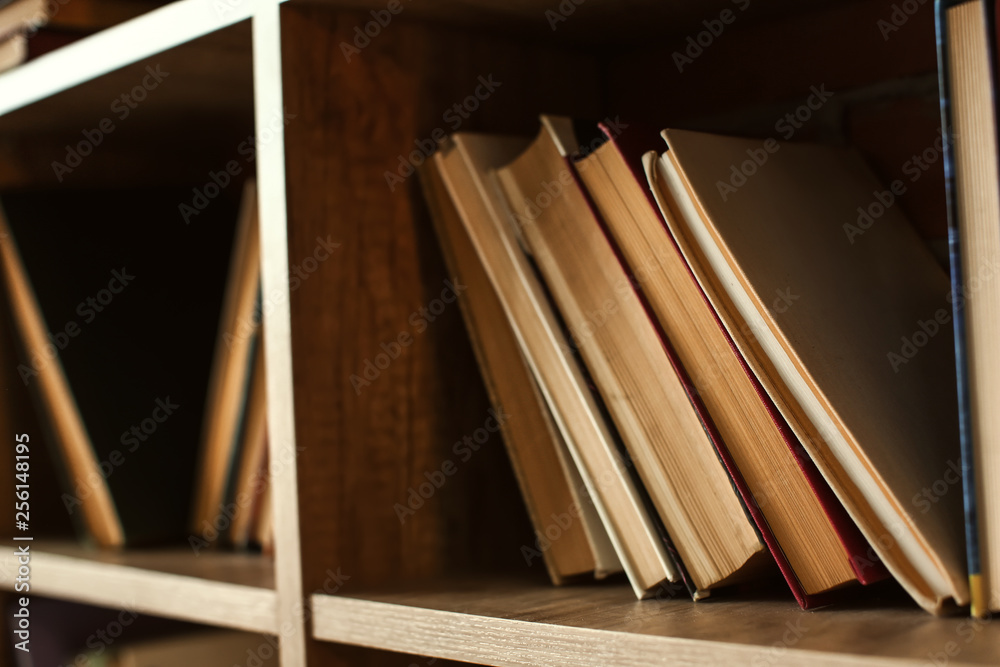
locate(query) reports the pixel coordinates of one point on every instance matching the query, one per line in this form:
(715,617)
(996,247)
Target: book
(98,511)
(966,59)
(847,338)
(21,15)
(251,476)
(117,376)
(816,545)
(230,382)
(570,538)
(465,162)
(634,369)
(262,528)
(13,51)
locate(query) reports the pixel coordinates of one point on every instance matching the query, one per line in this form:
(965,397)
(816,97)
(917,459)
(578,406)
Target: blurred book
(118,379)
(234,423)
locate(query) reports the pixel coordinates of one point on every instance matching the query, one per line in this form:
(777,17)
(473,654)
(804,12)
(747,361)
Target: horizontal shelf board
(116,47)
(210,76)
(196,116)
(215,588)
(509,623)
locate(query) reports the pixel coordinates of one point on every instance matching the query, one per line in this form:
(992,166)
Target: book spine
(961,349)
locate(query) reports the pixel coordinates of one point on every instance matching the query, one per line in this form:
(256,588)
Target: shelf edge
(503,642)
(118,46)
(186,598)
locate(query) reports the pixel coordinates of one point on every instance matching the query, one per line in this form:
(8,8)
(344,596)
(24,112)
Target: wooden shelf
(502,622)
(190,106)
(114,48)
(209,77)
(216,588)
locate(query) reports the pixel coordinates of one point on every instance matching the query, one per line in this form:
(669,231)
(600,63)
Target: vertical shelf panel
(282,451)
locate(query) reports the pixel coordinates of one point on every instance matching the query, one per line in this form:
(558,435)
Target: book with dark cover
(965,417)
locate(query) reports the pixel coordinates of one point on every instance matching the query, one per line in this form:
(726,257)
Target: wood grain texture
(282,448)
(363,447)
(503,622)
(215,588)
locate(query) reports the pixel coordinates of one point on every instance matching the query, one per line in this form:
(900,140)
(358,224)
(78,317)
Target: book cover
(630,147)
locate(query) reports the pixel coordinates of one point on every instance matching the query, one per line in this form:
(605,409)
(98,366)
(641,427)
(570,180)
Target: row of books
(701,366)
(114,378)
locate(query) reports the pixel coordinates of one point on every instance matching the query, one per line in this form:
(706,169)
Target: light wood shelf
(504,622)
(215,588)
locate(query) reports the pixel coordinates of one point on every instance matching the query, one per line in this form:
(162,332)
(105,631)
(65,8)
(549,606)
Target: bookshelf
(349,584)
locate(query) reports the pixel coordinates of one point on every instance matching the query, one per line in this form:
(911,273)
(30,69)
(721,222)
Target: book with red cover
(630,146)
